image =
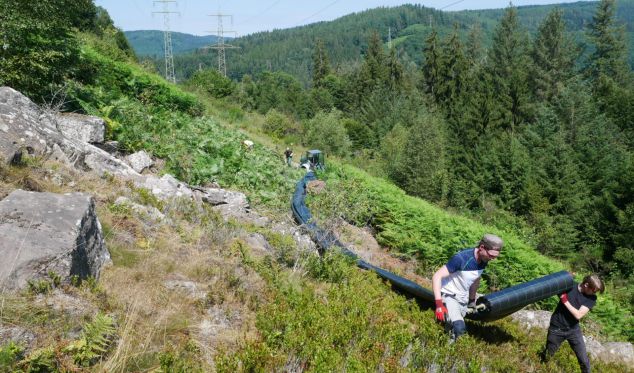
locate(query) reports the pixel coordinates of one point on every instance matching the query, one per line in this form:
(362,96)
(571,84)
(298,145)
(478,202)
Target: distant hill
(149,43)
(346,38)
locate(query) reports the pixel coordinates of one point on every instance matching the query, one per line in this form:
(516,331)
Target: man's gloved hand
(564,297)
(441,311)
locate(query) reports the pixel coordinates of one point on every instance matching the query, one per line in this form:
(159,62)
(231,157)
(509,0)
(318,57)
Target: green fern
(97,337)
(42,360)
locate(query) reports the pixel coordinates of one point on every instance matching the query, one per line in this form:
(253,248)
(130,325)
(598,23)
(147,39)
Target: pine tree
(453,71)
(432,64)
(552,58)
(475,53)
(610,55)
(395,72)
(507,64)
(321,65)
(374,69)
(608,69)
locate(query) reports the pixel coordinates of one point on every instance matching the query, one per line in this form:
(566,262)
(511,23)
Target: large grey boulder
(139,161)
(26,128)
(85,128)
(532,318)
(619,352)
(165,187)
(46,232)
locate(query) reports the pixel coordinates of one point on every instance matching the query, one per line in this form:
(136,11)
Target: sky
(249,16)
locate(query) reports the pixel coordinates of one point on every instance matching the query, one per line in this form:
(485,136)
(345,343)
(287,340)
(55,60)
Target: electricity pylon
(220,43)
(167,39)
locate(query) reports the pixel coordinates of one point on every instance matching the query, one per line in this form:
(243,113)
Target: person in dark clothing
(564,323)
(289,156)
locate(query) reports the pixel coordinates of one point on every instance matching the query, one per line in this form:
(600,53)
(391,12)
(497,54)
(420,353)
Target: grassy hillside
(290,50)
(278,309)
(149,43)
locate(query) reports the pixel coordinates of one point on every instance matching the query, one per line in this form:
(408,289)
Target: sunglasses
(492,252)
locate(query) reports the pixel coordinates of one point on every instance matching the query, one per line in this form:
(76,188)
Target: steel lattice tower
(220,44)
(167,39)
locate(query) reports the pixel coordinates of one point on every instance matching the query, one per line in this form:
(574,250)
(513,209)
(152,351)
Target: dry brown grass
(193,245)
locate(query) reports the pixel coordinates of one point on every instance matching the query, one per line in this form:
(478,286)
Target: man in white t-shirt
(455,284)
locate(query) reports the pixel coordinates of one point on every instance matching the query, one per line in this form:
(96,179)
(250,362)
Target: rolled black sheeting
(498,305)
(402,284)
(505,302)
(325,240)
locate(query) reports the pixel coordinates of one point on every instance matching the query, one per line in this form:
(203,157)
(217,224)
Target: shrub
(212,82)
(279,125)
(10,354)
(325,131)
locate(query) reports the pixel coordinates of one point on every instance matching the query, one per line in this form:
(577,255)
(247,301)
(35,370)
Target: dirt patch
(315,186)
(362,242)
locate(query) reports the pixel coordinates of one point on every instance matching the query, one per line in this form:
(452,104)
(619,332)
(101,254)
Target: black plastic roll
(495,305)
(402,284)
(325,240)
(504,302)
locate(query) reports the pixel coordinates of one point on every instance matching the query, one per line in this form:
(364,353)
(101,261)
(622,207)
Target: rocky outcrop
(45,232)
(149,212)
(139,161)
(85,128)
(17,335)
(27,129)
(529,319)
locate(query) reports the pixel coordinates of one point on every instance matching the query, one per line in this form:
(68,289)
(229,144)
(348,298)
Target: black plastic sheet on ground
(496,305)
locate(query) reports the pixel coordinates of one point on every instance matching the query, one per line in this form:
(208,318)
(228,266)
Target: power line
(319,11)
(452,4)
(262,12)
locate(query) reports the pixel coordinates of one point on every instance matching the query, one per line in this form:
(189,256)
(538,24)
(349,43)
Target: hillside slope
(149,43)
(198,289)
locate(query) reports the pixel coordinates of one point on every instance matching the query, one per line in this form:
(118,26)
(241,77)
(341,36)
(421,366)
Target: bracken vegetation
(501,143)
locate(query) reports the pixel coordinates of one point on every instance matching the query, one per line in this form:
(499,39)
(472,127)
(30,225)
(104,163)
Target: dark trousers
(574,337)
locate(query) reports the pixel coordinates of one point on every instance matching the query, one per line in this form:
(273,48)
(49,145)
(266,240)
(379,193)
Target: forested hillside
(528,139)
(346,38)
(149,43)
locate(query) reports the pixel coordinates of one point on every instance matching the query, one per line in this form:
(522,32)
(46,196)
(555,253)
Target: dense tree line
(532,132)
(346,38)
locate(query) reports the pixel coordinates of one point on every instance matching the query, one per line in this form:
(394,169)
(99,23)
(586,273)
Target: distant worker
(288,153)
(564,323)
(455,284)
(247,144)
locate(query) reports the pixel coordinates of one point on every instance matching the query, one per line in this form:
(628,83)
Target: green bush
(212,82)
(326,132)
(279,125)
(10,355)
(96,338)
(183,359)
(126,81)
(39,49)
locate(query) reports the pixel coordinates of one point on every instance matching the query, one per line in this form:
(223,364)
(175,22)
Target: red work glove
(441,311)
(564,297)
